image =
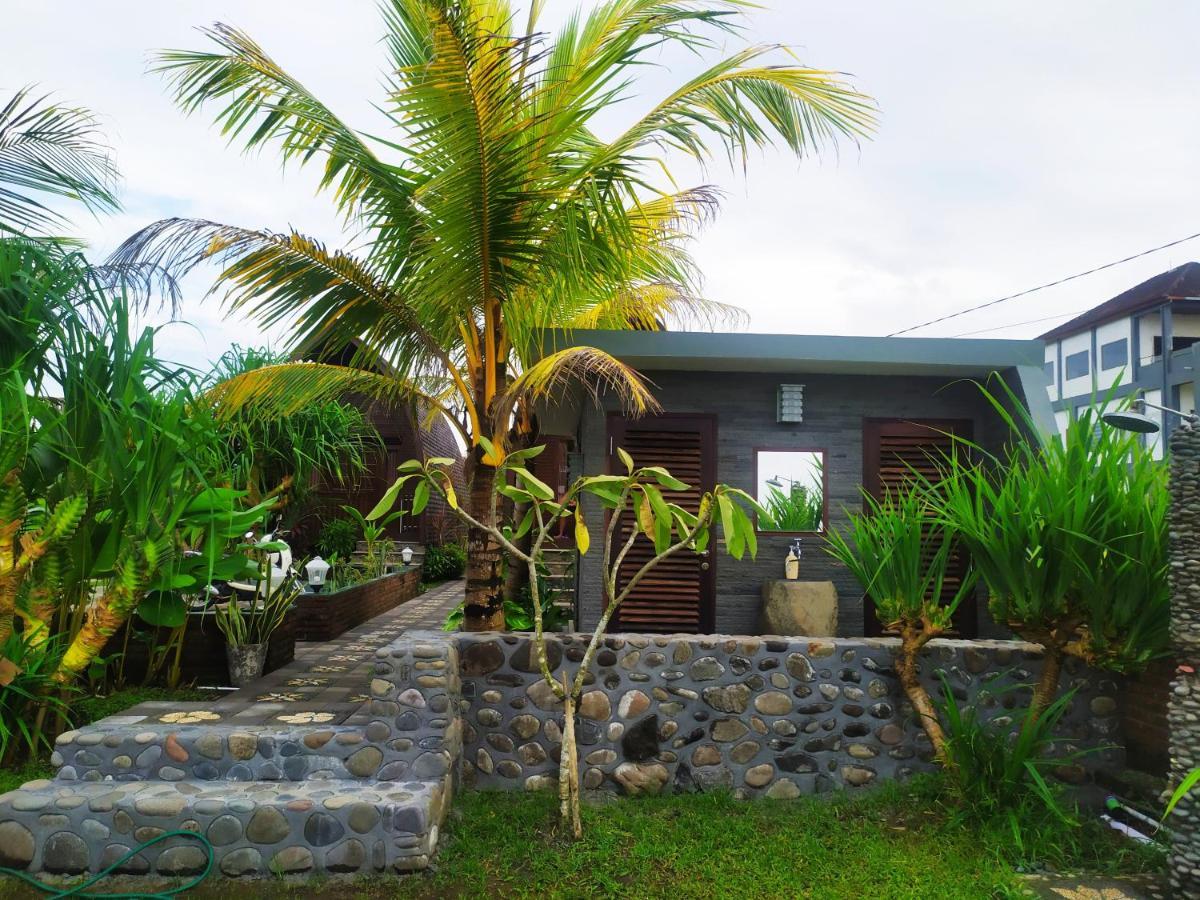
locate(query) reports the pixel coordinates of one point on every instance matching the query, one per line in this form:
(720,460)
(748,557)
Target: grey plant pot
(246,663)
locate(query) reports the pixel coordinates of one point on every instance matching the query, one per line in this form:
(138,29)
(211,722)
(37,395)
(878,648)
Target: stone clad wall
(1183,712)
(760,716)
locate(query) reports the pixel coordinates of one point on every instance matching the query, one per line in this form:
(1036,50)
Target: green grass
(12,777)
(899,841)
(89,709)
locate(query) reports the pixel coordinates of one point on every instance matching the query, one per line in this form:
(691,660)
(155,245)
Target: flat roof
(702,351)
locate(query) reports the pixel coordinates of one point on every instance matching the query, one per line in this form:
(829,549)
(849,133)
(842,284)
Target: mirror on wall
(791,488)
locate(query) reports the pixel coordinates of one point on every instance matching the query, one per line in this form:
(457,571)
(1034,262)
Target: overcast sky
(1019,142)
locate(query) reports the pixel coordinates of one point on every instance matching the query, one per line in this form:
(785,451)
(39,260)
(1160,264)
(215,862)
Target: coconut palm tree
(491,211)
(48,150)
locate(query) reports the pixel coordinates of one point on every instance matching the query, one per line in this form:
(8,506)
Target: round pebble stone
(243,861)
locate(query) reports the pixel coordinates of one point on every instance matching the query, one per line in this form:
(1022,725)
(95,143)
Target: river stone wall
(1183,713)
(769,716)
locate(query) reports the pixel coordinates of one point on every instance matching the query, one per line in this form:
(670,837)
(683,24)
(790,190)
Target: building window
(791,490)
(1049,371)
(1076,365)
(1177,343)
(1114,354)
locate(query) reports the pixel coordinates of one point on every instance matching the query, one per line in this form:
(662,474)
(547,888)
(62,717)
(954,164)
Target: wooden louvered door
(892,449)
(680,593)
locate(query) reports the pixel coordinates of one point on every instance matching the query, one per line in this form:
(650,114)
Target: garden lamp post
(316,569)
(1136,420)
(406,555)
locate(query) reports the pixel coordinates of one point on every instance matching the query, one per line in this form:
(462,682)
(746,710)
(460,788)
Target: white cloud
(1019,142)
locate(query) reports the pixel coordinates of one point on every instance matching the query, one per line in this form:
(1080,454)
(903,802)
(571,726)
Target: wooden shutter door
(892,450)
(680,593)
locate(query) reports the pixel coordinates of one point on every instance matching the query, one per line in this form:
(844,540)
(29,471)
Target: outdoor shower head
(1130,420)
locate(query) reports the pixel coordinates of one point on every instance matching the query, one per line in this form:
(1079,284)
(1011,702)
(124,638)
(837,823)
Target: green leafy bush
(27,683)
(996,772)
(1069,533)
(338,537)
(444,562)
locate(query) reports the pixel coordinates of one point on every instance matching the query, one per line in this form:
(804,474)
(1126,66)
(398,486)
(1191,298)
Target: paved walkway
(327,683)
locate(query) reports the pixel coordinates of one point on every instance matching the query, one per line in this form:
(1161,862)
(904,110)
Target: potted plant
(248,624)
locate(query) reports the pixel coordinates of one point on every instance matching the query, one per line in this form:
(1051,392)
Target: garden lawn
(895,842)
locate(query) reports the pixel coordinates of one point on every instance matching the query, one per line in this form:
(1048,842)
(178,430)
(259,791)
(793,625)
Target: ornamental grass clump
(1070,536)
(900,553)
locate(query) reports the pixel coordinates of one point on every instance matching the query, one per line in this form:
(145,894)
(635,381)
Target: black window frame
(1087,365)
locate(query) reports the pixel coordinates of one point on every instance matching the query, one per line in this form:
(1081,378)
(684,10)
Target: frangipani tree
(639,492)
(491,210)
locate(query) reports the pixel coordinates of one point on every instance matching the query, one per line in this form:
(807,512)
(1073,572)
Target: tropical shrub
(284,455)
(519,614)
(1069,533)
(637,496)
(26,692)
(996,773)
(444,562)
(378,547)
(899,552)
(338,537)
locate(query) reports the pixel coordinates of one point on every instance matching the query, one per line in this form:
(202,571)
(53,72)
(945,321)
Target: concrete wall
(767,716)
(835,408)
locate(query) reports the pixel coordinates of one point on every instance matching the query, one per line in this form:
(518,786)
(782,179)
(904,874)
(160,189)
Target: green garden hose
(79,890)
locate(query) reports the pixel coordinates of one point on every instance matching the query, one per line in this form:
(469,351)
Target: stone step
(121,752)
(256,828)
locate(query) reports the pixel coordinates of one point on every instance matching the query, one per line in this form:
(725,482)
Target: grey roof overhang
(799,353)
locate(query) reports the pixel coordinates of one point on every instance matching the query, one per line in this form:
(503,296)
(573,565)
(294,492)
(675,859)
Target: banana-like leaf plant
(489,210)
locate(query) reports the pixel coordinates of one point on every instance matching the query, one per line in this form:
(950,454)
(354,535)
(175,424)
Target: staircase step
(249,753)
(256,828)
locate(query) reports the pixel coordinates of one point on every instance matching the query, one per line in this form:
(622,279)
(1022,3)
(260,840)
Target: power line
(1042,287)
(1017,324)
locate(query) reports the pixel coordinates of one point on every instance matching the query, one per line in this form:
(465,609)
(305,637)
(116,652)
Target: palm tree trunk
(1047,685)
(909,671)
(484,608)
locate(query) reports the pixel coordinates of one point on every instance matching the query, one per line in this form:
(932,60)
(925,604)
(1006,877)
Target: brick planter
(322,617)
(203,657)
(1143,703)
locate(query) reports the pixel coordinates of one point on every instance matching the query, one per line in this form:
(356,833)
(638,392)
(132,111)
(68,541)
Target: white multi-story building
(1140,341)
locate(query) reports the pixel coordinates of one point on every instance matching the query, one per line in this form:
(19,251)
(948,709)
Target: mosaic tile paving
(324,684)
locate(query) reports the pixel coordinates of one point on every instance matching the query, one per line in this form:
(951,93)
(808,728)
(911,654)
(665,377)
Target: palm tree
(492,212)
(48,150)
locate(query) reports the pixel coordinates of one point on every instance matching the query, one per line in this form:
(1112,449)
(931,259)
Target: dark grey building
(832,414)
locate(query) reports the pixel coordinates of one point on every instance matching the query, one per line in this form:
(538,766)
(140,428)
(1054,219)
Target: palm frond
(744,106)
(599,371)
(263,104)
(49,150)
(326,298)
(284,389)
